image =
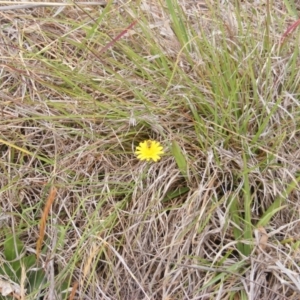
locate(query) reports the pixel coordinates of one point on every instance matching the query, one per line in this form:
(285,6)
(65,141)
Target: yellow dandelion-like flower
(149,150)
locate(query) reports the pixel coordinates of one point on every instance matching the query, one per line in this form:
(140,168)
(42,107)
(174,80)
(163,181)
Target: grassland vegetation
(214,85)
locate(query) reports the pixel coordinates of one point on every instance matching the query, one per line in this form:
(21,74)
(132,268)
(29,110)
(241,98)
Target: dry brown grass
(124,229)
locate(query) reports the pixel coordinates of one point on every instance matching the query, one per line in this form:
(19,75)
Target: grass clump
(216,86)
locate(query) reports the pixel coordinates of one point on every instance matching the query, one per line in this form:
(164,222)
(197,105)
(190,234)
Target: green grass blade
(179,158)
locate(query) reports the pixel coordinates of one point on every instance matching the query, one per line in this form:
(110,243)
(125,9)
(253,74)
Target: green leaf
(36,279)
(176,193)
(179,158)
(234,211)
(291,8)
(12,247)
(247,210)
(29,261)
(272,210)
(276,206)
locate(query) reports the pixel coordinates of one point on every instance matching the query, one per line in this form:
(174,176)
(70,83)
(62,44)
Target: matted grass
(217,217)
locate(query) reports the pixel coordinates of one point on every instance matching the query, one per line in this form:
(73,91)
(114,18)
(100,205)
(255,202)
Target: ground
(216,216)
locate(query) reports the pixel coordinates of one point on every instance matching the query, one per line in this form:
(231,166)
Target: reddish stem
(290,30)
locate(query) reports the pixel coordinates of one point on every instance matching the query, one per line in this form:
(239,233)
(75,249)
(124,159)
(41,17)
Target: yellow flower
(149,150)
